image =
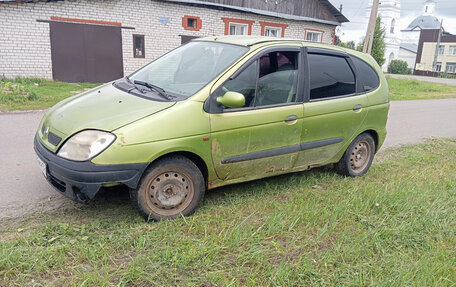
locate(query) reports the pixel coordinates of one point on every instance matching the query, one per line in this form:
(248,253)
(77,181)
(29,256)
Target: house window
(238,26)
(238,29)
(438,67)
(273,29)
(453,50)
(272,32)
(314,35)
(138,46)
(192,23)
(441,50)
(451,68)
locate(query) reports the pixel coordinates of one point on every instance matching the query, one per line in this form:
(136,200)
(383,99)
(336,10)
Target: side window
(278,79)
(330,76)
(270,80)
(244,83)
(366,74)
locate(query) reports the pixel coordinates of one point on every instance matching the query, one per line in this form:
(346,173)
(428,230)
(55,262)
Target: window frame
(228,21)
(315,31)
(143,50)
(265,25)
(453,67)
(269,28)
(327,52)
(438,67)
(236,26)
(393,24)
(442,49)
(198,23)
(211,105)
(452,51)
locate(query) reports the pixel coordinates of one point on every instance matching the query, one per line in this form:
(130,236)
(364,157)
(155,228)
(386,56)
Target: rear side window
(366,74)
(330,76)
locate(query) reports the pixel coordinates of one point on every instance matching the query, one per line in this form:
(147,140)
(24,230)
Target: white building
(403,44)
(411,34)
(390,12)
(101,40)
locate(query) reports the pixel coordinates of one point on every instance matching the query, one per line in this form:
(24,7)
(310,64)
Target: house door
(86,53)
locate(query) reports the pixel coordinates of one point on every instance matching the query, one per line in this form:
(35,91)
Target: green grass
(405,89)
(32,93)
(396,226)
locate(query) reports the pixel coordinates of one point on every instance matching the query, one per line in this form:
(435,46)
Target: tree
(378,44)
(349,44)
(398,67)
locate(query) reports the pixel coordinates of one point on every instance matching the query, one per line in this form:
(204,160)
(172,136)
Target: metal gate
(86,53)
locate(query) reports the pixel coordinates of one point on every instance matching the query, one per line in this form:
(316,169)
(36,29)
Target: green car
(216,111)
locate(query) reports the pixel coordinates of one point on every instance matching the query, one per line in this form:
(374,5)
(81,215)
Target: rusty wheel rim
(169,193)
(360,156)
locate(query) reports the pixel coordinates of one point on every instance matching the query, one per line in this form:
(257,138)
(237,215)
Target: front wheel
(358,157)
(170,187)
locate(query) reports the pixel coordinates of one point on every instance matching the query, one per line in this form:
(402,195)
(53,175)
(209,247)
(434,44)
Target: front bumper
(81,181)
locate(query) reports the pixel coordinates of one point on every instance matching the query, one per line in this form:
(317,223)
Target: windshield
(187,69)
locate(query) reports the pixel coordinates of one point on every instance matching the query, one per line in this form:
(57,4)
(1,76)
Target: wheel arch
(374,134)
(195,158)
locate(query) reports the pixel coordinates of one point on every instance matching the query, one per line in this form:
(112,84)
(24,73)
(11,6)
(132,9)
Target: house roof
(338,18)
(322,10)
(424,22)
(409,47)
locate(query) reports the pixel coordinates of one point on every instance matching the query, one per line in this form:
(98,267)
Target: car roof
(246,40)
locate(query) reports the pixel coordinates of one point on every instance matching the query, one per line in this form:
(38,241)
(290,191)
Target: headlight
(86,145)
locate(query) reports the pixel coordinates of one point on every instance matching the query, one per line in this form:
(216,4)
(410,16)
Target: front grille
(54,139)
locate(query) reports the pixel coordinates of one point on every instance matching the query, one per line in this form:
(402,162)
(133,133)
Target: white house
(100,40)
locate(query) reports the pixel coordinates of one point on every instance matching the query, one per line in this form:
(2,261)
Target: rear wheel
(358,157)
(170,187)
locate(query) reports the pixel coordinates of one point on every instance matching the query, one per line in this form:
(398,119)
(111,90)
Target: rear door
(261,138)
(334,109)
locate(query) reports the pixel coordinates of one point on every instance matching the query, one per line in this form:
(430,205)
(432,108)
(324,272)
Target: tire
(358,157)
(170,187)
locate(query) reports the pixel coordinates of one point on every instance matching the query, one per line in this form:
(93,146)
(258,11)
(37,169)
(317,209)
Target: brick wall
(25,44)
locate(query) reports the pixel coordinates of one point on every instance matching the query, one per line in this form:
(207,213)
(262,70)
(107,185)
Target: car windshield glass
(189,68)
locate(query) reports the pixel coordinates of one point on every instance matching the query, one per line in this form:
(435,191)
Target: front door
(261,138)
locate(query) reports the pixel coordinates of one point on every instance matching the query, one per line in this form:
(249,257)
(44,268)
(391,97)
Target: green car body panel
(146,130)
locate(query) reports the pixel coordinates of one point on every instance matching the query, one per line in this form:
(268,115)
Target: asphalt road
(23,188)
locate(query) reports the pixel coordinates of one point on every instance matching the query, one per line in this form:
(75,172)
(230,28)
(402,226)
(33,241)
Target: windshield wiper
(157,89)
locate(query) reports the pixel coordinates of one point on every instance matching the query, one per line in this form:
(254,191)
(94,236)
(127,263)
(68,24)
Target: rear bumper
(81,181)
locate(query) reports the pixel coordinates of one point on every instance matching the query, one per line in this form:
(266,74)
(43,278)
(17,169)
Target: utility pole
(367,47)
(434,64)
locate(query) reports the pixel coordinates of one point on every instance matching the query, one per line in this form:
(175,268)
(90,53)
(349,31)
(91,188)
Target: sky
(356,11)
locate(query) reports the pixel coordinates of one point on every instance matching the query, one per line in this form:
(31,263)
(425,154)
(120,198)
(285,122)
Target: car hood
(104,108)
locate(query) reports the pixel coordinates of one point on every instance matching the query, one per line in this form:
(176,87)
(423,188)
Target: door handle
(291,118)
(357,107)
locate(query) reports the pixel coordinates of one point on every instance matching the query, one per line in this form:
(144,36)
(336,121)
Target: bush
(398,67)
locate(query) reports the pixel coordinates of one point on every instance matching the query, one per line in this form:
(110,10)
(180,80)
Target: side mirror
(232,100)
